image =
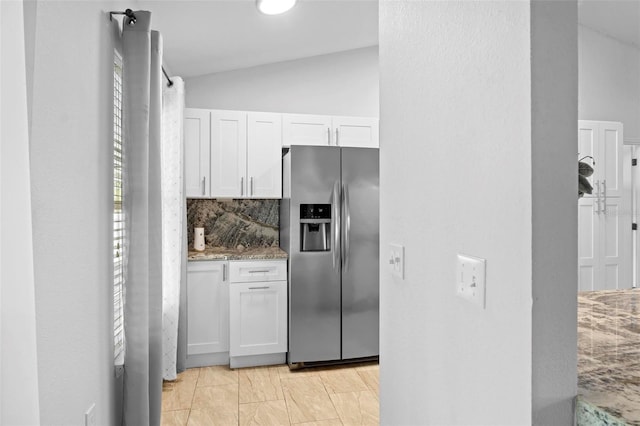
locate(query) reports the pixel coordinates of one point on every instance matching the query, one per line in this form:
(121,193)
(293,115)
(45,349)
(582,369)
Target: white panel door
(228,153)
(196,153)
(207,308)
(264,155)
(258,318)
(615,245)
(587,137)
(588,236)
(604,218)
(305,129)
(357,132)
(609,159)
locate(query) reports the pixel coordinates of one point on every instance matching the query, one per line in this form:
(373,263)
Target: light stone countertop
(225,253)
(609,357)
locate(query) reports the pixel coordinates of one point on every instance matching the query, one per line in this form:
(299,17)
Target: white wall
(18,355)
(609,83)
(344,83)
(459,171)
(554,150)
(71,161)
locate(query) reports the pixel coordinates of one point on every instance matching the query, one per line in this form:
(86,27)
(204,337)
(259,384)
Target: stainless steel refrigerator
(329,224)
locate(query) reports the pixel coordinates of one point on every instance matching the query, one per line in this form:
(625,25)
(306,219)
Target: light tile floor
(323,396)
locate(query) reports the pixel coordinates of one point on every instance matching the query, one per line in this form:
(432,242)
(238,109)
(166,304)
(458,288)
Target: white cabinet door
(258,318)
(305,129)
(264,155)
(228,153)
(604,222)
(356,132)
(324,130)
(207,307)
(196,153)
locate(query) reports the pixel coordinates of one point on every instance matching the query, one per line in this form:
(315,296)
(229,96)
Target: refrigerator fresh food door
(314,282)
(360,257)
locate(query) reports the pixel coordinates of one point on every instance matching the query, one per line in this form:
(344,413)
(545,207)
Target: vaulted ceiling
(202,37)
(619,19)
(208,36)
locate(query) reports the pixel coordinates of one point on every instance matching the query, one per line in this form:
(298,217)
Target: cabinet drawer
(260,270)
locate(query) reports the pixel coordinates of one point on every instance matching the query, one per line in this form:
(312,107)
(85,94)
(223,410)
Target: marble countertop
(225,253)
(609,353)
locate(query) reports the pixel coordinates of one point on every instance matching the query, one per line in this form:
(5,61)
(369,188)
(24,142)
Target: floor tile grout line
(331,400)
(193,397)
(286,404)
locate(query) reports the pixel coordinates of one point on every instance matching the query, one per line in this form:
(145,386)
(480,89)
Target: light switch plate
(471,279)
(396,260)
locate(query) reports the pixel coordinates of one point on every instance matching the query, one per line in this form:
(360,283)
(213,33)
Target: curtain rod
(169,82)
(132,16)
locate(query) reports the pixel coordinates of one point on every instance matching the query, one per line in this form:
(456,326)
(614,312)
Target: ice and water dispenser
(315,227)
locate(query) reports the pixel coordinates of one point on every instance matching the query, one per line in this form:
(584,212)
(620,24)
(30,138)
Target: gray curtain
(142,78)
(174,216)
(181,362)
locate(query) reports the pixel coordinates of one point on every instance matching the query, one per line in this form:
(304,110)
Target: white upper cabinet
(228,153)
(356,132)
(324,130)
(232,154)
(305,129)
(196,153)
(264,155)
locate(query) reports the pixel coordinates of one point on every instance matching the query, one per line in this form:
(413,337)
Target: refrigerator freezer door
(314,280)
(360,274)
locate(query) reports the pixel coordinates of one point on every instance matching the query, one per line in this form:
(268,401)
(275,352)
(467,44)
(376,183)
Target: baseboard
(205,360)
(258,360)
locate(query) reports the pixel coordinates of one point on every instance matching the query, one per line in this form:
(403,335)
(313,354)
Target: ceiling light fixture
(274,7)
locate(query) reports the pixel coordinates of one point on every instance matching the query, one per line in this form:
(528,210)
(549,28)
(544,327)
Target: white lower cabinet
(207,313)
(236,313)
(257,313)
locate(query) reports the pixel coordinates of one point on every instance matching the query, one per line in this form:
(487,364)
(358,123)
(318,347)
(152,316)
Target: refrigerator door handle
(335,202)
(347,226)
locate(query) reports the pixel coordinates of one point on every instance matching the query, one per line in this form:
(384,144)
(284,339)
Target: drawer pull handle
(259,288)
(264,271)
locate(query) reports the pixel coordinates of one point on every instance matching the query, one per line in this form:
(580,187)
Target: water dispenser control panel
(315,227)
(315,211)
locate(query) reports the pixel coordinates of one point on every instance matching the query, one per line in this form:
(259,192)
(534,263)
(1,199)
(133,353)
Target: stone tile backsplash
(231,223)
